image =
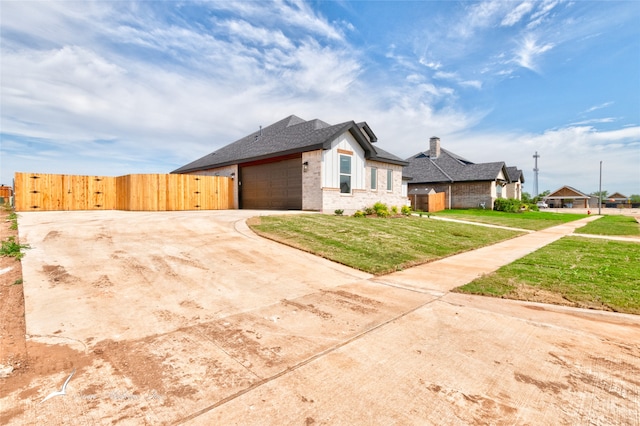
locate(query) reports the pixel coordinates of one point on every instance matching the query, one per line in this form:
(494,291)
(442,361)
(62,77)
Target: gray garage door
(272,186)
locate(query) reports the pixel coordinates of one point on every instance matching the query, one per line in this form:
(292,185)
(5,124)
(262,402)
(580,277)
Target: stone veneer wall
(312,181)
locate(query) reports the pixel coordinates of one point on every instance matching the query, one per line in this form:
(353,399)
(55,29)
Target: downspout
(449,197)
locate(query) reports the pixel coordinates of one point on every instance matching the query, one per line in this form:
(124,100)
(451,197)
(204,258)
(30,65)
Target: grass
(525,220)
(377,246)
(12,248)
(612,225)
(13,217)
(599,274)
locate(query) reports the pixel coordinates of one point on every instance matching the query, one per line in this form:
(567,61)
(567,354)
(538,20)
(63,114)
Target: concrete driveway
(189,318)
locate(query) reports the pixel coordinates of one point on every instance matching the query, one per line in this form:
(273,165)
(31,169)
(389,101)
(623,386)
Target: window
(374,178)
(345,174)
(389,180)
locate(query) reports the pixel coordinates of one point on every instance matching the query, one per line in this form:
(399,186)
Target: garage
(272,185)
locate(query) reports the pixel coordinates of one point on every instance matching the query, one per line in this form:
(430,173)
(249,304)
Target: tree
(602,194)
(526,198)
(541,196)
(635,198)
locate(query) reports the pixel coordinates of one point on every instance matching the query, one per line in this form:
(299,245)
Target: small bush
(369,211)
(359,213)
(381,209)
(394,210)
(338,212)
(406,210)
(509,205)
(11,248)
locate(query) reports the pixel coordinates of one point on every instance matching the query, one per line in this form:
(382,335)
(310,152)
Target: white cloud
(594,121)
(476,84)
(544,9)
(294,13)
(529,51)
(597,107)
(515,15)
(445,75)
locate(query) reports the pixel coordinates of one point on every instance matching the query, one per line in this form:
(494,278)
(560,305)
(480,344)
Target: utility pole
(535,175)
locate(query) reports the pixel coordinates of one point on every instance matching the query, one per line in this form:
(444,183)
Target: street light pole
(600,190)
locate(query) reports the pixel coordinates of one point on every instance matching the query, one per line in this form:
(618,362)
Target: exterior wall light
(233,175)
(305,166)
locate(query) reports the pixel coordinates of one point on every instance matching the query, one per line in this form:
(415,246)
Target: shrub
(394,210)
(11,248)
(405,210)
(369,211)
(359,213)
(338,212)
(510,205)
(381,209)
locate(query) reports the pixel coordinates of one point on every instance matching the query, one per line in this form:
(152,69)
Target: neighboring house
(466,184)
(514,188)
(296,164)
(567,197)
(618,198)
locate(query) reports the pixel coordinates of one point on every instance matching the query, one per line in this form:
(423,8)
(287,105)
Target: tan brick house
(466,184)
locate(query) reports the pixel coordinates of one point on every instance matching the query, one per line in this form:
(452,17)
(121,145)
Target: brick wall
(464,195)
(312,181)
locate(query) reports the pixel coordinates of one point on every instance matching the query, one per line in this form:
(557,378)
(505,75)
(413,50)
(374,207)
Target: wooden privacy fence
(429,202)
(148,192)
(6,191)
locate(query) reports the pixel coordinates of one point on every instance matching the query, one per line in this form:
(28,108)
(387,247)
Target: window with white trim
(345,174)
(374,178)
(389,180)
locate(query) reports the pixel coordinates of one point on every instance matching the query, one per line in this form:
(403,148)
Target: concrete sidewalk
(446,274)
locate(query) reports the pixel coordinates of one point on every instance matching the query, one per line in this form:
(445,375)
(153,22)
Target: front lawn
(577,271)
(525,220)
(612,225)
(376,245)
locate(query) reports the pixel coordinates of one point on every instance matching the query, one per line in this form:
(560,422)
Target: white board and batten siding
(331,162)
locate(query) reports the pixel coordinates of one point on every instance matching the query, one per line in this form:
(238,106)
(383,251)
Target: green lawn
(600,274)
(612,225)
(375,245)
(525,220)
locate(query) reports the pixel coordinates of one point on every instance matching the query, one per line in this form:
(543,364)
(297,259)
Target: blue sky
(113,88)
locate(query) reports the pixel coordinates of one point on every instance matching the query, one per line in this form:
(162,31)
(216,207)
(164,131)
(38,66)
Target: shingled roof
(289,136)
(515,174)
(449,167)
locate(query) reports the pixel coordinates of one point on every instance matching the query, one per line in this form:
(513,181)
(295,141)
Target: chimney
(434,147)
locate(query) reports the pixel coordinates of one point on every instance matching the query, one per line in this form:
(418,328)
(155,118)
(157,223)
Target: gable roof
(617,196)
(449,167)
(515,174)
(567,192)
(289,136)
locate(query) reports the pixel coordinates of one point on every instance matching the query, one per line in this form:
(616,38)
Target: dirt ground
(189,318)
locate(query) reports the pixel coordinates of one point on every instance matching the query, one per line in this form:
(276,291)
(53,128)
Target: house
(568,197)
(617,200)
(514,188)
(295,164)
(466,184)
